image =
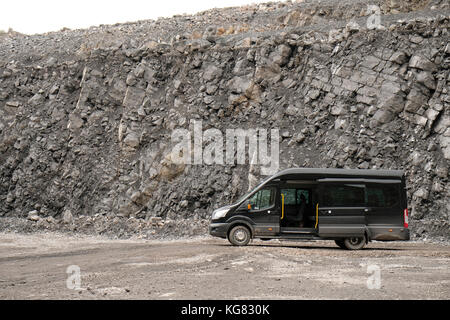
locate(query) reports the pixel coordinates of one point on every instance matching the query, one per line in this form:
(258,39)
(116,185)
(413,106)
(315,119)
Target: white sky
(38,16)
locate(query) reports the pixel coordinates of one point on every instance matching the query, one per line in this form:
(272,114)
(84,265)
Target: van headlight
(219,213)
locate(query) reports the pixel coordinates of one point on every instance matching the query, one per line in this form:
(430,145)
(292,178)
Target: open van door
(340,211)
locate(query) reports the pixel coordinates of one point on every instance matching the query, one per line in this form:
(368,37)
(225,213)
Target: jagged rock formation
(87,115)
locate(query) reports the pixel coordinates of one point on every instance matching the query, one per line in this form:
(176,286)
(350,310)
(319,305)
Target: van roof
(335,173)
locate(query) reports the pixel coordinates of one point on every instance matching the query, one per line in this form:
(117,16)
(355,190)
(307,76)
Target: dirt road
(34,267)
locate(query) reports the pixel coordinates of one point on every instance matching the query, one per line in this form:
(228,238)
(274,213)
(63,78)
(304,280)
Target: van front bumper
(217,229)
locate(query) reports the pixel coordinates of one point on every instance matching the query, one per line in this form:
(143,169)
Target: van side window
(293,196)
(347,195)
(263,199)
(289,196)
(300,193)
(382,195)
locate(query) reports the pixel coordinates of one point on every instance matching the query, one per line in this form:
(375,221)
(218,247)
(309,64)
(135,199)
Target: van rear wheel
(355,243)
(239,236)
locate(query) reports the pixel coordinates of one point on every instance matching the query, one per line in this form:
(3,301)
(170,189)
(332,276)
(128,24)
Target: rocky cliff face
(87,115)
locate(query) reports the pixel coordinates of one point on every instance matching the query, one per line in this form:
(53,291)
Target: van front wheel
(355,243)
(239,236)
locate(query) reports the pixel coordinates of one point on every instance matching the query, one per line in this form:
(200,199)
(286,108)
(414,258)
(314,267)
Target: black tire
(340,244)
(239,236)
(355,243)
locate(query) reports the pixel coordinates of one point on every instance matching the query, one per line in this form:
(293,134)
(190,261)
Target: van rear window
(383,195)
(347,195)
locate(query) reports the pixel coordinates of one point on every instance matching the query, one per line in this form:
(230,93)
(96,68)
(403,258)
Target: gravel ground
(34,267)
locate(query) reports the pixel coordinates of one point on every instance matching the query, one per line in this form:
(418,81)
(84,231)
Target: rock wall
(87,132)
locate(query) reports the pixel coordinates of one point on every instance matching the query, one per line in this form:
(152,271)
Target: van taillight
(405,218)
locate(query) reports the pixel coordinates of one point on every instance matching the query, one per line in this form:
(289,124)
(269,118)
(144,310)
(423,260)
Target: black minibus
(349,206)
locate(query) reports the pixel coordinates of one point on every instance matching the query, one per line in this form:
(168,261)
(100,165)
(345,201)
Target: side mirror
(246,205)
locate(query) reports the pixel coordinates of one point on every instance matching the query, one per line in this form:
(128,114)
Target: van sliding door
(341,208)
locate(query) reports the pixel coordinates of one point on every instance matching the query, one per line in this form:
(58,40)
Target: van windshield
(251,191)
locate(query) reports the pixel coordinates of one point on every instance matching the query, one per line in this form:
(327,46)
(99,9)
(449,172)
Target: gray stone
(67,216)
(399,57)
(335,35)
(75,122)
(419,120)
(131,80)
(442,124)
(442,171)
(391,87)
(421,63)
(392,102)
(444,142)
(155,220)
(184,203)
(427,79)
(51,62)
(211,89)
(36,100)
(416,39)
(281,55)
(365,99)
(33,213)
(383,116)
(267,74)
(291,111)
(349,85)
(352,27)
(337,110)
(211,72)
(431,114)
(340,123)
(370,62)
(133,97)
(117,92)
(241,85)
(300,137)
(33,217)
(131,140)
(422,193)
(149,74)
(208,100)
(415,100)
(447,48)
(13,104)
(313,94)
